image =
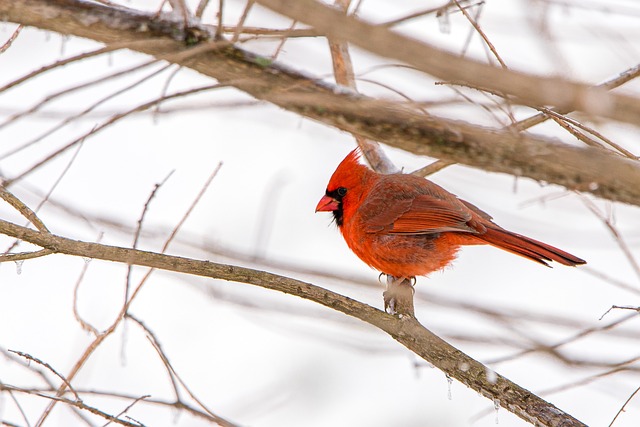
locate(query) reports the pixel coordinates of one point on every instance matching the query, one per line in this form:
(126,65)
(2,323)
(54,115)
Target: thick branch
(407,330)
(536,90)
(584,169)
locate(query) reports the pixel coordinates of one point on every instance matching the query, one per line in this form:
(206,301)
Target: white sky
(264,359)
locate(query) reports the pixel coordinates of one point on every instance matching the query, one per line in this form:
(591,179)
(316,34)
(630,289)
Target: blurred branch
(99,338)
(442,64)
(6,45)
(621,410)
(345,76)
(496,150)
(613,83)
(142,107)
(78,404)
(49,367)
(406,330)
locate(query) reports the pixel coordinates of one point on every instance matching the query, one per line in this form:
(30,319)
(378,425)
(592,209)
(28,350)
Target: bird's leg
(398,298)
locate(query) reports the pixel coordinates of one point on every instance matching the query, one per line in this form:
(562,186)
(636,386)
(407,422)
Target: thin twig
(24,210)
(174,377)
(79,404)
(62,62)
(622,78)
(49,98)
(6,45)
(112,120)
(285,36)
(129,406)
(35,369)
(432,168)
(482,34)
(408,331)
(88,109)
(50,368)
(621,410)
(33,215)
(202,5)
(615,234)
(83,323)
(19,406)
(163,357)
(191,207)
(220,17)
(240,26)
(620,307)
(345,76)
(179,406)
(552,348)
(607,141)
(437,10)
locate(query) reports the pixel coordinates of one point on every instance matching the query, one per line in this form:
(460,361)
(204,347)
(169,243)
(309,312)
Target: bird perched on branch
(406,226)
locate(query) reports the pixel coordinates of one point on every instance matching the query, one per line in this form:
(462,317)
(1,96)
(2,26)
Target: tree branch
(406,330)
(535,90)
(542,159)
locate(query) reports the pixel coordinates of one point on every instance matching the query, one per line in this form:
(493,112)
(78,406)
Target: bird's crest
(348,172)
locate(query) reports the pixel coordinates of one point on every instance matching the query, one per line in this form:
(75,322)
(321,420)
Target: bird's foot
(398,298)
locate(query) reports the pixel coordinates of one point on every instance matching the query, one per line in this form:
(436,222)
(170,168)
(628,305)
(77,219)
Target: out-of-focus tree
(543,92)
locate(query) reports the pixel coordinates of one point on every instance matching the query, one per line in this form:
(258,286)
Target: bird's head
(345,188)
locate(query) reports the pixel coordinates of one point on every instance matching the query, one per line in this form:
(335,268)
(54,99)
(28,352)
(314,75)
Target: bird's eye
(341,191)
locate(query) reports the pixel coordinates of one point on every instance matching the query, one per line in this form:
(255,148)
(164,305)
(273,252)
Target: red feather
(407,226)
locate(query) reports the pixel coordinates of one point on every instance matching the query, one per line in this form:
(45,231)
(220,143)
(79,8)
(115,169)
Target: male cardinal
(406,226)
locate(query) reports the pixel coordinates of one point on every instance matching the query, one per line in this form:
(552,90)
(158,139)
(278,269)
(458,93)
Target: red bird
(407,226)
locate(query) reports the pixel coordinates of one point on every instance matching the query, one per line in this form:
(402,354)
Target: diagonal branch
(407,330)
(495,150)
(445,65)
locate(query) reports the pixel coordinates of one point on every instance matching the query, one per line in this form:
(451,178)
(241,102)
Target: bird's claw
(398,298)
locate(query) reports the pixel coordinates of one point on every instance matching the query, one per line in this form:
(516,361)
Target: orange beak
(327,204)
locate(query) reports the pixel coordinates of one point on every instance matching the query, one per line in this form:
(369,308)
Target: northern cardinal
(406,226)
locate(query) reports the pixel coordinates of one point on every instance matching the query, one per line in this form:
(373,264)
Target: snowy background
(264,359)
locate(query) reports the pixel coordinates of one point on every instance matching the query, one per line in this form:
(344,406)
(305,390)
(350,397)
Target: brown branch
(621,410)
(34,368)
(175,378)
(49,367)
(55,96)
(444,65)
(6,45)
(482,34)
(73,403)
(407,330)
(613,83)
(345,76)
(179,406)
(61,63)
(142,107)
(493,150)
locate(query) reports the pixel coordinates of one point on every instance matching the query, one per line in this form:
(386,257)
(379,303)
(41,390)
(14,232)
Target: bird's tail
(527,247)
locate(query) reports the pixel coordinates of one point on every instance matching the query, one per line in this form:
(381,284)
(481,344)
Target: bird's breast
(400,255)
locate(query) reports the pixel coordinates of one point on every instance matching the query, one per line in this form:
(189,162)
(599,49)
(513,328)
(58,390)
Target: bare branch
(613,83)
(49,367)
(407,330)
(24,210)
(74,403)
(112,120)
(6,45)
(621,410)
(345,76)
(493,150)
(445,65)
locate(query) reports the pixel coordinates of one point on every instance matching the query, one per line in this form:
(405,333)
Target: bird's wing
(422,214)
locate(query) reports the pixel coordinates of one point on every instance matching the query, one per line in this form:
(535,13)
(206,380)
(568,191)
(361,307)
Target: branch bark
(583,169)
(406,330)
(531,90)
